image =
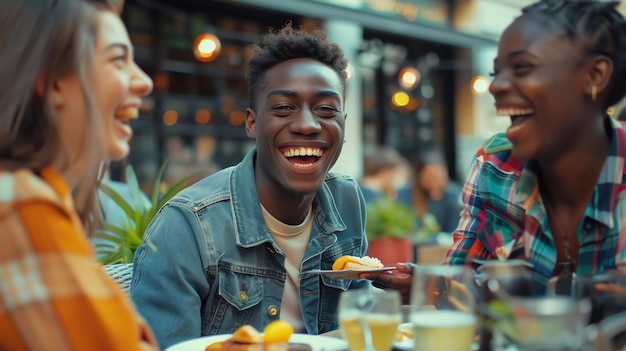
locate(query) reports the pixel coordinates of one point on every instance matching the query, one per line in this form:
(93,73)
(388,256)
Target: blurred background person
(69,84)
(435,199)
(384,172)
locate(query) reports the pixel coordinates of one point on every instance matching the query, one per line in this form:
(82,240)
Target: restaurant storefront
(406,63)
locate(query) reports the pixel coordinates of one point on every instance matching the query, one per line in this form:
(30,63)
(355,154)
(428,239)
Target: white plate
(349,273)
(317,342)
(406,343)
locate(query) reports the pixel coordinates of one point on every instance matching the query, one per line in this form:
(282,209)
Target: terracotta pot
(391,250)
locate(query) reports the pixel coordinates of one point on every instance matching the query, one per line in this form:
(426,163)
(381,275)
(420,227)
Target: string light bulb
(206,47)
(409,77)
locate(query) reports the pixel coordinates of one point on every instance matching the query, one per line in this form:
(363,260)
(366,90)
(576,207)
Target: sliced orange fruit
(278,331)
(342,261)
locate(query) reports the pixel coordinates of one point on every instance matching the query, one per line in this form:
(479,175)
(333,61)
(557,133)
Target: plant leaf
(111,257)
(111,230)
(135,194)
(118,199)
(156,188)
(387,218)
(177,187)
(118,244)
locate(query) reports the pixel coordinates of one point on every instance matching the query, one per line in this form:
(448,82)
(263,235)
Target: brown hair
(46,40)
(419,195)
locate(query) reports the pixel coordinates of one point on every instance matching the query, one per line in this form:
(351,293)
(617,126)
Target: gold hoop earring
(594,93)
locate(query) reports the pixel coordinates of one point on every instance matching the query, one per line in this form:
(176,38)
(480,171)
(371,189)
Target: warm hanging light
(480,85)
(206,47)
(409,77)
(203,116)
(170,117)
(236,117)
(400,99)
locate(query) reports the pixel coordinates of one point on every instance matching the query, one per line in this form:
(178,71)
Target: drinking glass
(443,308)
(369,319)
(607,292)
(549,323)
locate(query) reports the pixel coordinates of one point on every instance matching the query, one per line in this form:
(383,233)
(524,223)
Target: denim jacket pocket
(242,291)
(341,248)
(341,284)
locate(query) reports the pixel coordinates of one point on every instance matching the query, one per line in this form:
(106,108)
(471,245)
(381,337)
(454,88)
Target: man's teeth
(514,111)
(303,165)
(303,151)
(127,113)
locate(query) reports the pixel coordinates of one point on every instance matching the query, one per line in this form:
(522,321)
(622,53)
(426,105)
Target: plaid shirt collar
(602,203)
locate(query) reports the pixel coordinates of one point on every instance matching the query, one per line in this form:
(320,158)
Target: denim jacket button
(272,311)
(242,296)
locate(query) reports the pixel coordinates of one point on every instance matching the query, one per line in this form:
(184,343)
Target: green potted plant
(116,244)
(390,226)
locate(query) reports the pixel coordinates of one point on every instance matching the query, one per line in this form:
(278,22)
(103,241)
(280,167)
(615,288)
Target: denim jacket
(208,264)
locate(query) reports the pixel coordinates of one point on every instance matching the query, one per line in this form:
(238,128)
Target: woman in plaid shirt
(551,190)
(68,83)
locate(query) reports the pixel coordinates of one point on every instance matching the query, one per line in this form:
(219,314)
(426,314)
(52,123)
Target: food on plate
(354,262)
(233,346)
(278,331)
(247,338)
(247,334)
(404,334)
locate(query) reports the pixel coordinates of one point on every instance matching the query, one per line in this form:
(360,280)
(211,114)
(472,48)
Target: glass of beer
(443,308)
(369,319)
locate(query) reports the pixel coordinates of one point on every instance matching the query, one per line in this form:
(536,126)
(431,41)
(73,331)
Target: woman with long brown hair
(69,84)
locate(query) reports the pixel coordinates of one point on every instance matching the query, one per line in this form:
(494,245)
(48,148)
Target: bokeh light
(400,99)
(170,117)
(203,116)
(348,71)
(480,85)
(409,77)
(206,47)
(236,117)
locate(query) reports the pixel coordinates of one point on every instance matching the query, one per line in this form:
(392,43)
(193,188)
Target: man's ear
(250,122)
(599,75)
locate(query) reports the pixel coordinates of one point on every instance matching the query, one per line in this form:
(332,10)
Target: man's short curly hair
(291,43)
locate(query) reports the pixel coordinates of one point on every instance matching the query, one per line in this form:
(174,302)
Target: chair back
(122,273)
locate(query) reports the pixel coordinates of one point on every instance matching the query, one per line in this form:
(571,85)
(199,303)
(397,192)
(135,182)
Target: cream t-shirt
(293,240)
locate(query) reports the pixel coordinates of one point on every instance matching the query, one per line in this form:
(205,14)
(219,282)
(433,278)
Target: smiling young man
(235,248)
